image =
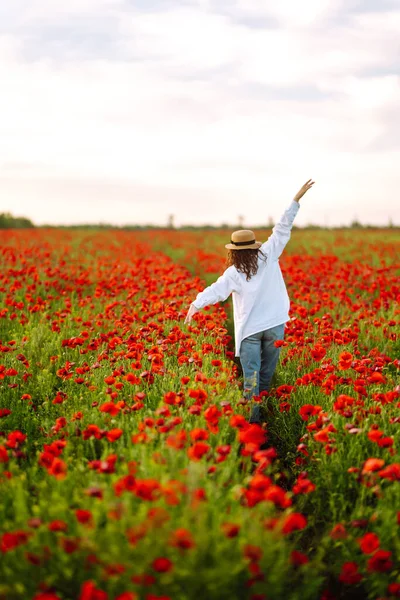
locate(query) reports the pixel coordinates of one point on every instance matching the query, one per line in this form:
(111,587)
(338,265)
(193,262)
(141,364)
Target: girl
(260,300)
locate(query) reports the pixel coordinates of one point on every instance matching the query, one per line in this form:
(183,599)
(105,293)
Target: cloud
(188,105)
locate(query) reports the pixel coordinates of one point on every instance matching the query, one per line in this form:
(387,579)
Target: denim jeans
(259,358)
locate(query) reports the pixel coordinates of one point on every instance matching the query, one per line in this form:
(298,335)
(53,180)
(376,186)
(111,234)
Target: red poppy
(377,378)
(83,516)
(253,553)
(11,540)
(114,434)
(198,450)
(58,468)
(293,522)
(391,472)
(369,543)
(253,434)
(58,525)
(230,529)
(90,592)
(110,408)
(372,464)
(350,574)
(303,486)
(3,454)
(147,489)
(345,360)
(308,410)
(322,436)
(162,565)
(182,538)
(380,562)
(298,558)
(339,532)
(318,352)
(15,439)
(374,435)
(278,496)
(198,434)
(394,589)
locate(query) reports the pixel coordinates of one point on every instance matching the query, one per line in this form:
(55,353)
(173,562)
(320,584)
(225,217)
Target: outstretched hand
(304,189)
(192,310)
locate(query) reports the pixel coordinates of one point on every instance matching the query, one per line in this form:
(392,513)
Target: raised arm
(216,292)
(280,236)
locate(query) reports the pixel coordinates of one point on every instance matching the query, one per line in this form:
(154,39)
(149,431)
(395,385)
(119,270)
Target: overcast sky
(127,111)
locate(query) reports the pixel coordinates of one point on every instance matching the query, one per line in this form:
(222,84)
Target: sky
(128,111)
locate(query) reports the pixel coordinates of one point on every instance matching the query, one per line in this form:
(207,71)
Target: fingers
(308,185)
(192,311)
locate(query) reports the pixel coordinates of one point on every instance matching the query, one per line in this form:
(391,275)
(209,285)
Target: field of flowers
(128,468)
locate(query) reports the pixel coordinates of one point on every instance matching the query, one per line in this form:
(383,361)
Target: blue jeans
(259,358)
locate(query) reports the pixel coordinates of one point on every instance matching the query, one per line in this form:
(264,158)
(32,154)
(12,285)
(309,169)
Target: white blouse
(262,302)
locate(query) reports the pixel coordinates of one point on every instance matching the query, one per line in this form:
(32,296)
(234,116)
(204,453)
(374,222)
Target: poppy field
(128,467)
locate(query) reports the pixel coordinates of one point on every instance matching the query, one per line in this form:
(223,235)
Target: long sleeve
(280,236)
(217,291)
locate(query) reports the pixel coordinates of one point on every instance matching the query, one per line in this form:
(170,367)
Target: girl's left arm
(280,236)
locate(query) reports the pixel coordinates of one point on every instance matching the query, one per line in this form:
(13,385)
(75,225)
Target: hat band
(243,243)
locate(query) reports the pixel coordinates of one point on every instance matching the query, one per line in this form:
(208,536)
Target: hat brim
(249,247)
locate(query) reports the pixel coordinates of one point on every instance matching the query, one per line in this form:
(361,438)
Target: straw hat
(242,240)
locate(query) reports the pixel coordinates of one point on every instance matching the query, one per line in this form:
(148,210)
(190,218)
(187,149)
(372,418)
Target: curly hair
(246,261)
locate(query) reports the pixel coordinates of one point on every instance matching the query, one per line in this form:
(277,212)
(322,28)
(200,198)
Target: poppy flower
(182,538)
(162,565)
(303,486)
(127,596)
(298,558)
(89,591)
(394,589)
(252,552)
(376,378)
(369,543)
(15,439)
(293,522)
(199,434)
(339,532)
(372,464)
(11,540)
(58,468)
(253,434)
(3,454)
(380,562)
(391,472)
(114,434)
(198,450)
(57,525)
(83,516)
(345,360)
(230,529)
(374,435)
(350,574)
(318,352)
(308,410)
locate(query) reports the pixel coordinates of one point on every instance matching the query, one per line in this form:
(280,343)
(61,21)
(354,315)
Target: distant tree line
(7,221)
